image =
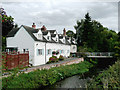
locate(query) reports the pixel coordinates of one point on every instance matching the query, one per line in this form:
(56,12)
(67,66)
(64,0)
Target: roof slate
(12,32)
(31,31)
(51,31)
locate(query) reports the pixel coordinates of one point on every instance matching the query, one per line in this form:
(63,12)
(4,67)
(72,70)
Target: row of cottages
(40,43)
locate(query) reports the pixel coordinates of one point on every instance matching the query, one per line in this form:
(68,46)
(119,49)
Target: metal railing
(99,53)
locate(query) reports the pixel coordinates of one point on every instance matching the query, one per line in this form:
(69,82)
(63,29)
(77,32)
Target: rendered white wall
(57,46)
(39,59)
(73,50)
(22,40)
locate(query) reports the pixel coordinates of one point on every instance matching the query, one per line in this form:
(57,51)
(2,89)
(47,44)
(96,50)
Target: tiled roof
(44,32)
(12,32)
(51,31)
(32,30)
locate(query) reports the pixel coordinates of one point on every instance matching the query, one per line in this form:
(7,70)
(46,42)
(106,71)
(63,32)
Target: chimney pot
(34,26)
(43,28)
(64,32)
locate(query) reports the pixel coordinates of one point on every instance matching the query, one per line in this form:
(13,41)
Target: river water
(70,82)
(80,82)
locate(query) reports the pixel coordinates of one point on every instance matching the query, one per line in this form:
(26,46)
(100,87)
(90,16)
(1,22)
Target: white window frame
(67,51)
(39,35)
(48,51)
(39,52)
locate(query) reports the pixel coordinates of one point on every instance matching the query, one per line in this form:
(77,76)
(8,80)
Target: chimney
(34,26)
(43,28)
(64,32)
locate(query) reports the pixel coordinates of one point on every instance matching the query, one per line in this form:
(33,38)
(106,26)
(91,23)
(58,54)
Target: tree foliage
(7,25)
(7,22)
(92,35)
(70,33)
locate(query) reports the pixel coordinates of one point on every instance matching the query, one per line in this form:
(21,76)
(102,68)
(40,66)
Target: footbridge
(96,54)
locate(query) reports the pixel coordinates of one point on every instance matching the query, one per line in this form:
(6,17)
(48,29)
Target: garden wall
(15,59)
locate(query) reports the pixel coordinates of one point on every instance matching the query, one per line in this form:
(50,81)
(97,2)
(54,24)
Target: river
(79,81)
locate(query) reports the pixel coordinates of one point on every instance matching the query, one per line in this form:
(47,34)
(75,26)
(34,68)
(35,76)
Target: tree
(7,22)
(85,31)
(70,33)
(7,25)
(93,36)
(118,36)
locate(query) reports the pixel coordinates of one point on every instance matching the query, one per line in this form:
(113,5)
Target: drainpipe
(45,52)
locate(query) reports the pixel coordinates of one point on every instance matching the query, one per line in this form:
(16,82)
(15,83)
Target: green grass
(40,78)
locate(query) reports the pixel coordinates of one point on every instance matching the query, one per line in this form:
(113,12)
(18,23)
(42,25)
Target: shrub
(53,52)
(57,52)
(61,58)
(53,59)
(109,78)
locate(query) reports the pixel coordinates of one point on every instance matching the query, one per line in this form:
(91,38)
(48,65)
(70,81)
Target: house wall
(22,40)
(39,59)
(42,59)
(55,47)
(73,48)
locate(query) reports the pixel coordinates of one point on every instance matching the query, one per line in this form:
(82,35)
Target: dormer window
(73,47)
(63,40)
(39,36)
(56,39)
(48,37)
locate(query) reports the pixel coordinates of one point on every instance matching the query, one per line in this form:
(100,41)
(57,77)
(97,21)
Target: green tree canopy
(92,34)
(70,33)
(7,22)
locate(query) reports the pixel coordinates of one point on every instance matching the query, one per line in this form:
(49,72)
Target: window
(67,51)
(62,51)
(49,52)
(73,47)
(39,51)
(39,35)
(48,37)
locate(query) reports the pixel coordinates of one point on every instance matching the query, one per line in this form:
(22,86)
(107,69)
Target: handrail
(98,53)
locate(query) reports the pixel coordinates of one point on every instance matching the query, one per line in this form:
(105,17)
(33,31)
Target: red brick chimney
(64,32)
(43,28)
(34,26)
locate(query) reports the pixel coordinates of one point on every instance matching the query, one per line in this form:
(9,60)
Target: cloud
(60,14)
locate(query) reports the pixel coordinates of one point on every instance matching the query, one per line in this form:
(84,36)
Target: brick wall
(15,59)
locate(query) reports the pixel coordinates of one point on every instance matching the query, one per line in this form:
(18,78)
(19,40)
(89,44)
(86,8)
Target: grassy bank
(40,78)
(109,78)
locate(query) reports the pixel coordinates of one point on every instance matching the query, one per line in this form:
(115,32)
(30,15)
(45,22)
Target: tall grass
(109,78)
(40,78)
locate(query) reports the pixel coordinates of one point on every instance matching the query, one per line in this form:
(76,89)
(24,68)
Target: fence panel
(16,59)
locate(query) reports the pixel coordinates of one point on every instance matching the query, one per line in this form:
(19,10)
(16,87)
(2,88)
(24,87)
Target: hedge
(40,78)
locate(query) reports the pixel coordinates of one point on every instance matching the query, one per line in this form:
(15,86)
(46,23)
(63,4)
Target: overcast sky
(60,14)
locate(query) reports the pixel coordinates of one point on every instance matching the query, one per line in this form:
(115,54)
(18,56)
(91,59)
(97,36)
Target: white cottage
(40,43)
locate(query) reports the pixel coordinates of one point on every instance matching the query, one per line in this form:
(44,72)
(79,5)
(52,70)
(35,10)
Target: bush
(52,59)
(109,78)
(61,58)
